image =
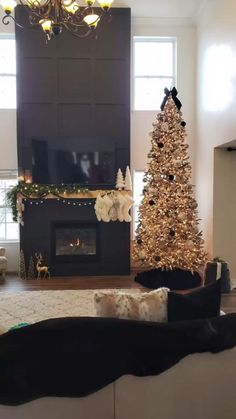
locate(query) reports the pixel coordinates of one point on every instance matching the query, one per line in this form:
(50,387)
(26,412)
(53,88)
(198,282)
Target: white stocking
(114,208)
(128,204)
(107,204)
(120,210)
(98,207)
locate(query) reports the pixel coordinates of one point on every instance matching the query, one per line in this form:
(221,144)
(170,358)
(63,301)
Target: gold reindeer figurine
(41,269)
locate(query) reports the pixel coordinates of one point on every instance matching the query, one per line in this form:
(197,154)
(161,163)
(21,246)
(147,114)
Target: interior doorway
(224,205)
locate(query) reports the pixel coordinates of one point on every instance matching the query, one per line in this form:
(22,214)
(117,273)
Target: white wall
(8,155)
(216,102)
(12,253)
(141,121)
(224,200)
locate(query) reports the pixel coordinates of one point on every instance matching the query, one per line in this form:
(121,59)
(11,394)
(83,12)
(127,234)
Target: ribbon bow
(172,93)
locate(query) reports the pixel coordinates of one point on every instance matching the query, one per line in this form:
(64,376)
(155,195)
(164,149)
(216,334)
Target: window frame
(161,39)
(8,175)
(9,36)
(136,205)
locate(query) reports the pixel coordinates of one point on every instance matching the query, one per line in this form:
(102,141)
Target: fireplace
(75,242)
(72,241)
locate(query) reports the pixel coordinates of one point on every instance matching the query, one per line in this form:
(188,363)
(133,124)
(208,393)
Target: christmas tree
(119,180)
(167,235)
(31,269)
(128,180)
(22,270)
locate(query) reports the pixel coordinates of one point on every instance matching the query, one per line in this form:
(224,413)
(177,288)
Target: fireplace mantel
(79,195)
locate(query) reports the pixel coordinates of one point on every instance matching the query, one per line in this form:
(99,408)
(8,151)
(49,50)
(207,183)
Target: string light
(167,235)
(39,192)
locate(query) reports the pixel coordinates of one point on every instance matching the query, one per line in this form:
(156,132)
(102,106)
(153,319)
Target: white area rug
(34,306)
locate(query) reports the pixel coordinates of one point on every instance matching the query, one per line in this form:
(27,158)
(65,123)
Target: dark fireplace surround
(38,235)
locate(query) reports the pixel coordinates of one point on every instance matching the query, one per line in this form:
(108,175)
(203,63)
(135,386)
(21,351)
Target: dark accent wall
(73,95)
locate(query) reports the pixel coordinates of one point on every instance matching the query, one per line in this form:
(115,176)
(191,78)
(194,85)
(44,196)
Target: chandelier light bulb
(92,20)
(105,4)
(90,2)
(8,5)
(71,7)
(46,25)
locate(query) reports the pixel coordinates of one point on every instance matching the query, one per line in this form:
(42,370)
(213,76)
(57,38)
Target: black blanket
(74,357)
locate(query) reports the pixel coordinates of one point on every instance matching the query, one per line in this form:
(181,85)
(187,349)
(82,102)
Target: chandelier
(54,15)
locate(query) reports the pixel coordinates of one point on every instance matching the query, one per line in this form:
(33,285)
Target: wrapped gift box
(218,270)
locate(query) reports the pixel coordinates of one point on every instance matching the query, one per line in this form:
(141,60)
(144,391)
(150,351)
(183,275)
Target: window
(154,69)
(7,73)
(138,196)
(9,230)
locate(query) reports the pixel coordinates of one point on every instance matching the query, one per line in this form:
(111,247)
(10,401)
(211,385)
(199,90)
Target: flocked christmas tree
(119,180)
(167,235)
(128,179)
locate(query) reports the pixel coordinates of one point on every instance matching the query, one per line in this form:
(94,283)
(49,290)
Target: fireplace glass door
(75,241)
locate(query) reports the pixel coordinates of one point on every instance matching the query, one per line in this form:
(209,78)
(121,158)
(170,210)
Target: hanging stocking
(98,207)
(114,209)
(120,210)
(126,208)
(107,204)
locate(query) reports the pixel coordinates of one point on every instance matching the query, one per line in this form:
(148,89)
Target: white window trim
(7,175)
(7,36)
(161,39)
(135,205)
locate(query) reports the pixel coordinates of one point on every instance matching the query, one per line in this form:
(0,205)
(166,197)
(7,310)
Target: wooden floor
(13,284)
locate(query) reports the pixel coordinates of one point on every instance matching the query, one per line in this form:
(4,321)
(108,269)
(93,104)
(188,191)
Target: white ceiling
(161,8)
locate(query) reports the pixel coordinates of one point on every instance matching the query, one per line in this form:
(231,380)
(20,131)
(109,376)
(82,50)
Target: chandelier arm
(78,35)
(84,10)
(69,3)
(31,6)
(77,19)
(40,14)
(6,20)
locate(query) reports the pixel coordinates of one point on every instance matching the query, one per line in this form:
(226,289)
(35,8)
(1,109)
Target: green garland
(38,191)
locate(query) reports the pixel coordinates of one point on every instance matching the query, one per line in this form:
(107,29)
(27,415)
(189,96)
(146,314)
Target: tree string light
(167,234)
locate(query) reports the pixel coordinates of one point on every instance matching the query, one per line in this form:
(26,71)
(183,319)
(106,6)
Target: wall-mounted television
(68,160)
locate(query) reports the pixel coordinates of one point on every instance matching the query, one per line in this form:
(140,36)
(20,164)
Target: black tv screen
(66,162)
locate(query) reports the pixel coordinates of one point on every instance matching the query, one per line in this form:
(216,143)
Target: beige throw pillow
(149,306)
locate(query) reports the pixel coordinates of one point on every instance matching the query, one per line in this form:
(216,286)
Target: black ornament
(139,241)
(183,123)
(144,191)
(160,145)
(171,177)
(56,29)
(151,202)
(172,233)
(157,258)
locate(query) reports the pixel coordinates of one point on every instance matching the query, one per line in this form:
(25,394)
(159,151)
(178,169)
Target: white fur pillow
(149,306)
